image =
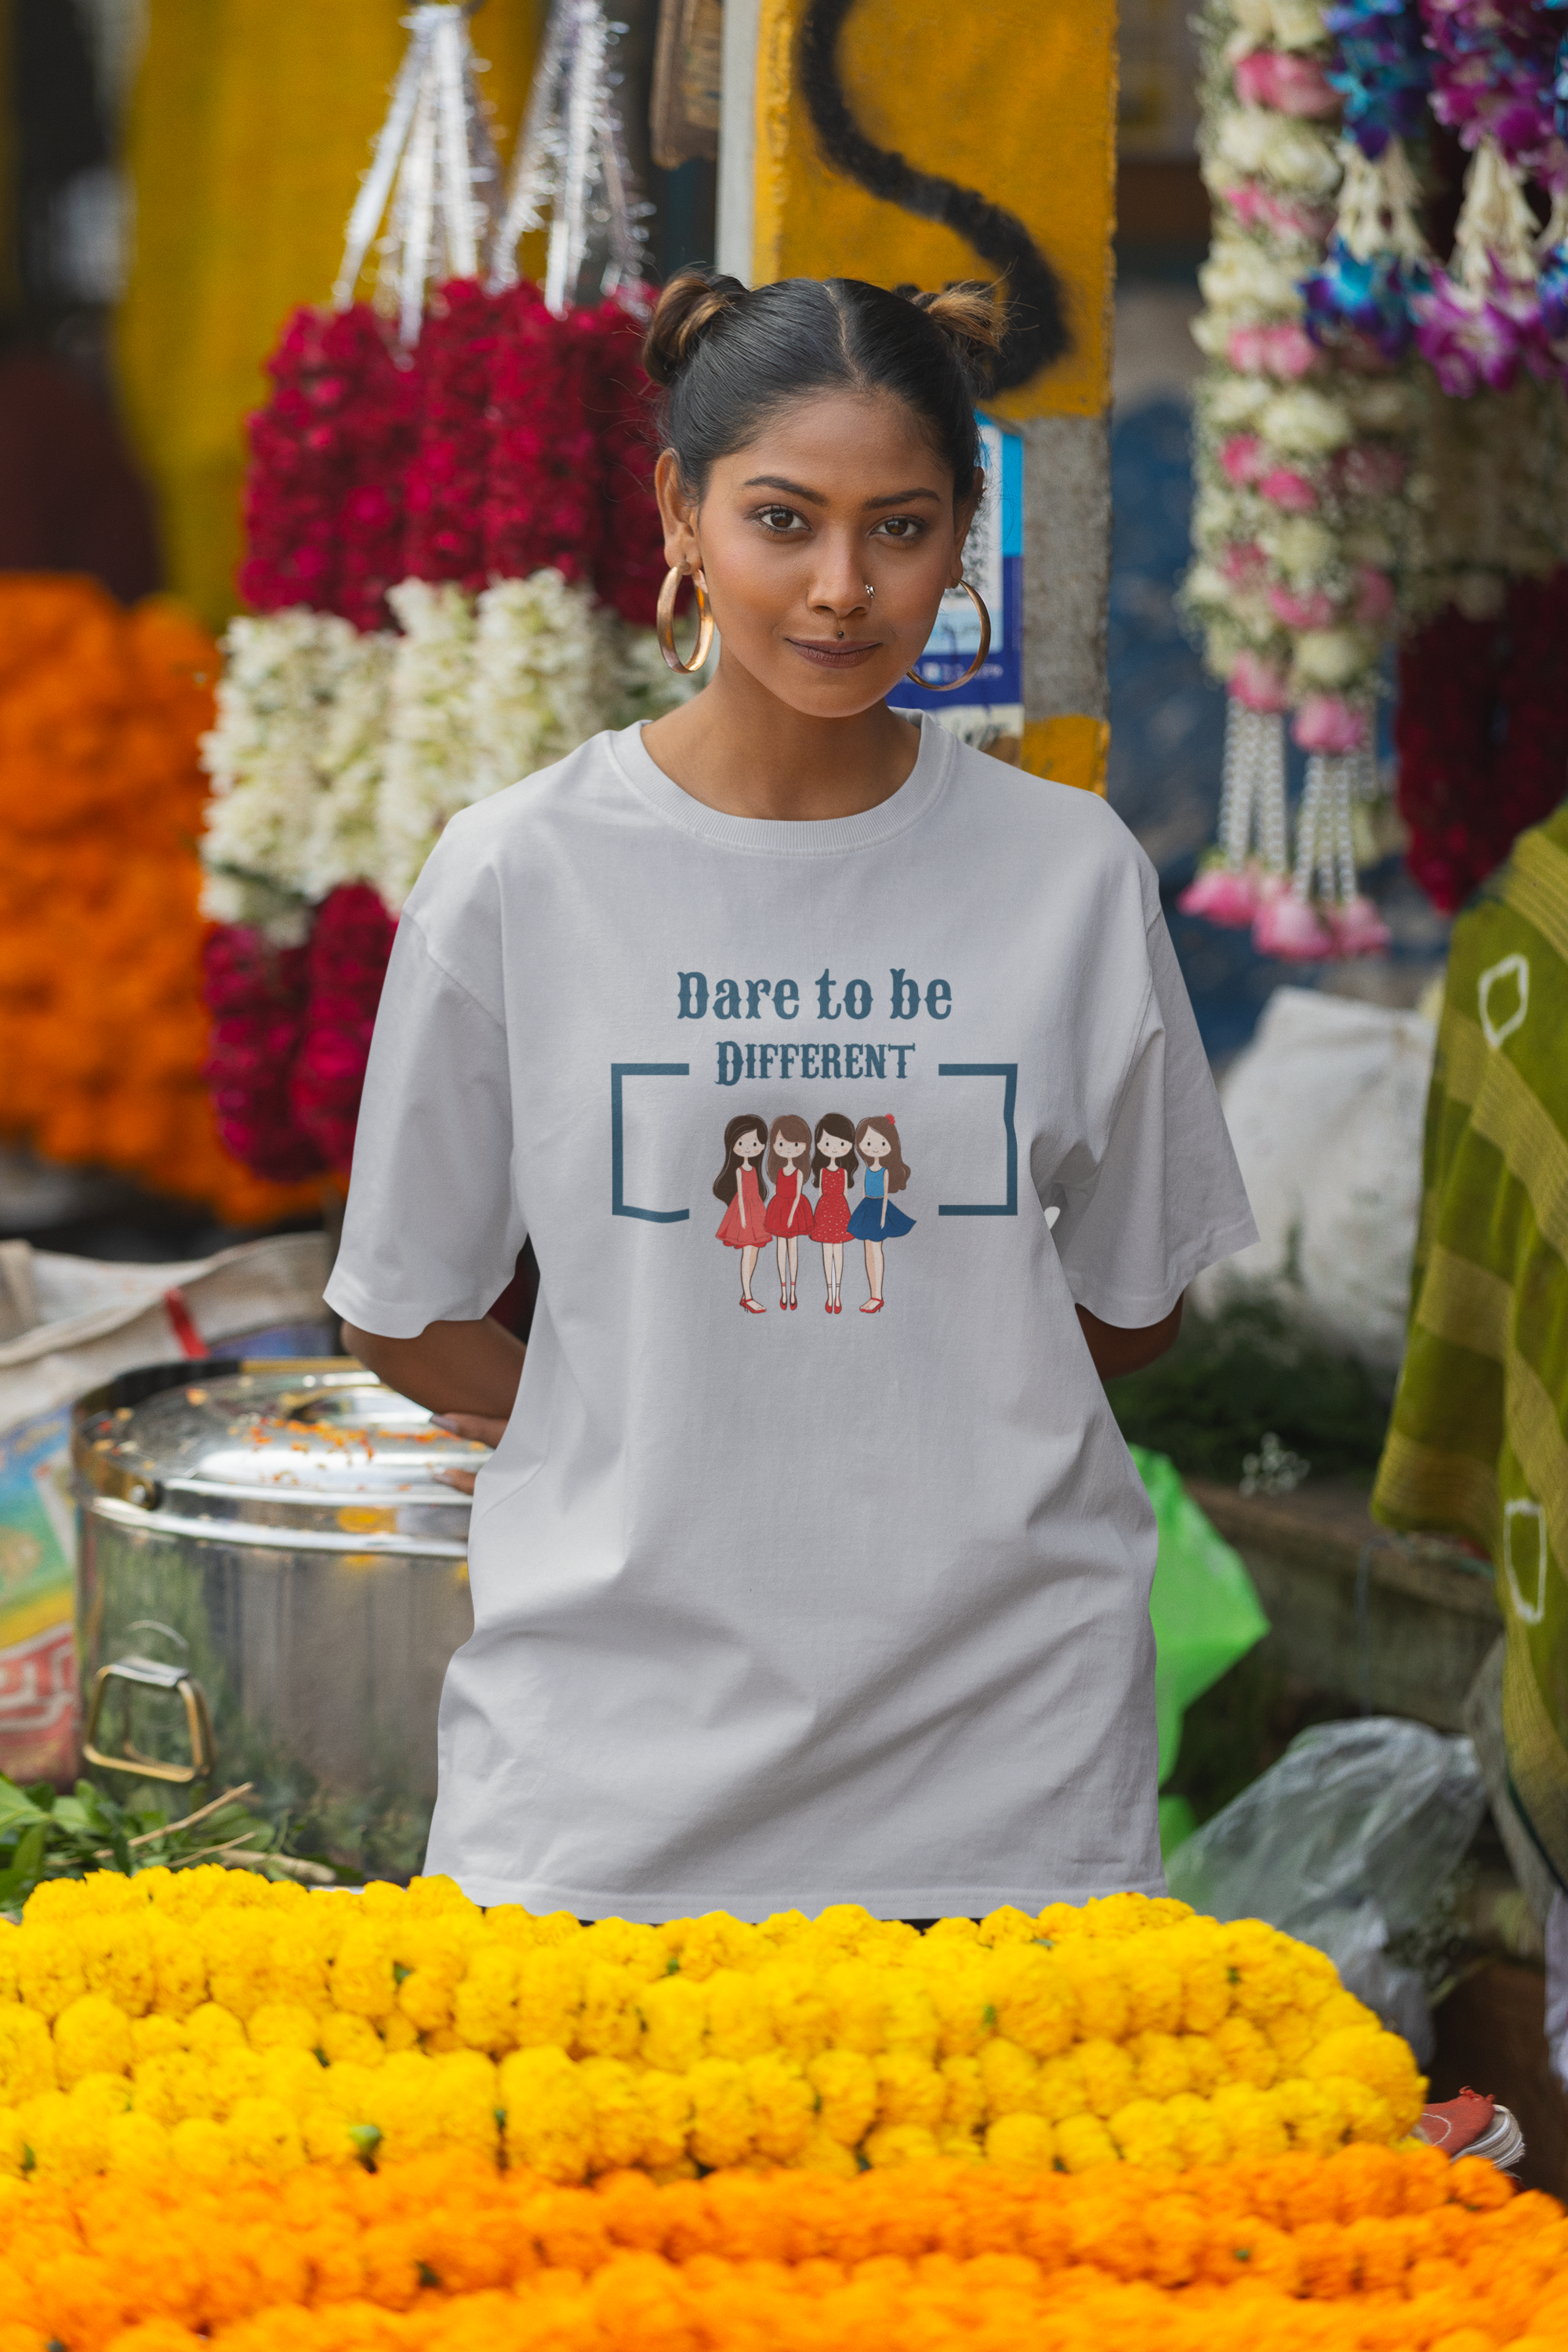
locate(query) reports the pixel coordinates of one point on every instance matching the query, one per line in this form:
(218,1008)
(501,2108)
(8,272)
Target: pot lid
(321,1449)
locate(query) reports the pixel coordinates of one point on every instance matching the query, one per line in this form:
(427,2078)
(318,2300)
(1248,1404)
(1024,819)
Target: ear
(964,513)
(677,512)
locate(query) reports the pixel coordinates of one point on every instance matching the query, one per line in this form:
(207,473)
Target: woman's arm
(466,1372)
(470,1370)
(1116,1349)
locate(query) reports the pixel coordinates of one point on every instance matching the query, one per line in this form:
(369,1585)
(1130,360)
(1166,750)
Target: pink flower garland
(349,945)
(256,995)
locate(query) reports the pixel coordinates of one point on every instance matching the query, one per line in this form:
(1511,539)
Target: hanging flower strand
(1300,524)
(1483,317)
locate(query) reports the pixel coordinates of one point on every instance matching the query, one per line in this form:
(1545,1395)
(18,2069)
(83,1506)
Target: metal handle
(151,1674)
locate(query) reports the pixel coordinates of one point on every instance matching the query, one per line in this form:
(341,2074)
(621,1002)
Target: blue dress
(875,1218)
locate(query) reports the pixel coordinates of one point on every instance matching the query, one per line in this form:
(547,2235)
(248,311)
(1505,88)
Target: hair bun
(684,313)
(970,315)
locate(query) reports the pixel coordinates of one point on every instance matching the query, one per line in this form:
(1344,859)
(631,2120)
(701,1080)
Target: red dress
(790,1186)
(831,1221)
(742,1226)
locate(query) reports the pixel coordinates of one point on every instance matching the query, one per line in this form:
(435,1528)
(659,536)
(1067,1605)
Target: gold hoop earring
(664,624)
(978,663)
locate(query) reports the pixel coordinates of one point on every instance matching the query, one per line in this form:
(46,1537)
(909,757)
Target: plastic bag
(1327,1109)
(1349,1841)
(1204,1607)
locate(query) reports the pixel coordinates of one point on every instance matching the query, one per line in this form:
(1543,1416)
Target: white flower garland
(429,769)
(282,678)
(339,757)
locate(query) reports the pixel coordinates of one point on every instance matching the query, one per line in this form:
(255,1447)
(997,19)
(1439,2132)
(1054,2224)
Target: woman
(789,1218)
(876,1220)
(902,1659)
(833,1169)
(740,1184)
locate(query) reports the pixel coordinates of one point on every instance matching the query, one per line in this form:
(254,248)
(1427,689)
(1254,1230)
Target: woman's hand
(482,1430)
(466,1372)
(1117,1350)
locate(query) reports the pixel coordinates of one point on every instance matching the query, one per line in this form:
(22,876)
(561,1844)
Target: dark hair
(898,1174)
(727,1182)
(788,1128)
(833,1122)
(728,357)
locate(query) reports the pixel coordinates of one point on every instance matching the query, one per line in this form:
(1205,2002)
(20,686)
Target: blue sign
(992,702)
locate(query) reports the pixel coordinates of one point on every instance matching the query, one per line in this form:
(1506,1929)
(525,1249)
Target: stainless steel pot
(265,1550)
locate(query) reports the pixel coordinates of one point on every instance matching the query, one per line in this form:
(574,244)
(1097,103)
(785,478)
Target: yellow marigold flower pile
(1377,2249)
(207,2019)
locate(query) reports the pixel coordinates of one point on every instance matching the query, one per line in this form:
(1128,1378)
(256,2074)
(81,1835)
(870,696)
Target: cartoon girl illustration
(740,1184)
(789,1217)
(833,1165)
(876,1220)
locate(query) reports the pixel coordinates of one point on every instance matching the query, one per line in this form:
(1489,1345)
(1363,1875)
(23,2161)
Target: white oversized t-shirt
(794,1608)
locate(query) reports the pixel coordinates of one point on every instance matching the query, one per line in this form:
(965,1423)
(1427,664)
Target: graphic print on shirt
(833,1167)
(742,1185)
(876,1220)
(789,1219)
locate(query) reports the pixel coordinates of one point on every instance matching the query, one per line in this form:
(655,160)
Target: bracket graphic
(1008,1073)
(620,1205)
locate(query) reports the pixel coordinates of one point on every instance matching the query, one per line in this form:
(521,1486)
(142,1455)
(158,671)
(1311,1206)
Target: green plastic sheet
(1205,1614)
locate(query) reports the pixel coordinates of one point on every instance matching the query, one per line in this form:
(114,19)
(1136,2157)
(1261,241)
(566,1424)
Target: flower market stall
(1382,443)
(240,2114)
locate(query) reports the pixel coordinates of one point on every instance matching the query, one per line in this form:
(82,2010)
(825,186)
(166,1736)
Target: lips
(829,653)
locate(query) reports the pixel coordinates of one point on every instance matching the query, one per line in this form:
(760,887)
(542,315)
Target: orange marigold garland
(102,1030)
(1371,2248)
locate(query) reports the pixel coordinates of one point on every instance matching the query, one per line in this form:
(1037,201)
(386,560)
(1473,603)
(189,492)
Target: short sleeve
(1165,1198)
(432,1229)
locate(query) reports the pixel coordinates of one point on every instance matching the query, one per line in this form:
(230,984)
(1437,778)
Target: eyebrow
(816,497)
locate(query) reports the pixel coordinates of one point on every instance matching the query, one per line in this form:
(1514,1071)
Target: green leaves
(42,1835)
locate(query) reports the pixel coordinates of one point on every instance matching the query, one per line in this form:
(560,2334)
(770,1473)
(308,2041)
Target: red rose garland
(1481,730)
(349,944)
(320,527)
(379,447)
(256,995)
(631,562)
(445,488)
(511,440)
(541,505)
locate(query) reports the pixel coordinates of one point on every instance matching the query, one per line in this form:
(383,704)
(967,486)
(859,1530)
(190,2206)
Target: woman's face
(786,1151)
(872,1146)
(752,1145)
(841,493)
(834,1147)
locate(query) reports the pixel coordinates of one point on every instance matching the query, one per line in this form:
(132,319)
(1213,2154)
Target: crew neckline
(783,837)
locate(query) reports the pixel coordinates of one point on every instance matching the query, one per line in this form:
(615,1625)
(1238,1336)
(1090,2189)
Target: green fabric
(1475,1446)
(1203,1608)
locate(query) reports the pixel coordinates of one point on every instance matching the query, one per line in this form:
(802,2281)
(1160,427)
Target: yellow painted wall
(1017,98)
(250,126)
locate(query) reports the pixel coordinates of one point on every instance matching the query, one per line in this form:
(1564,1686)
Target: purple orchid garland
(1369,277)
(1496,308)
